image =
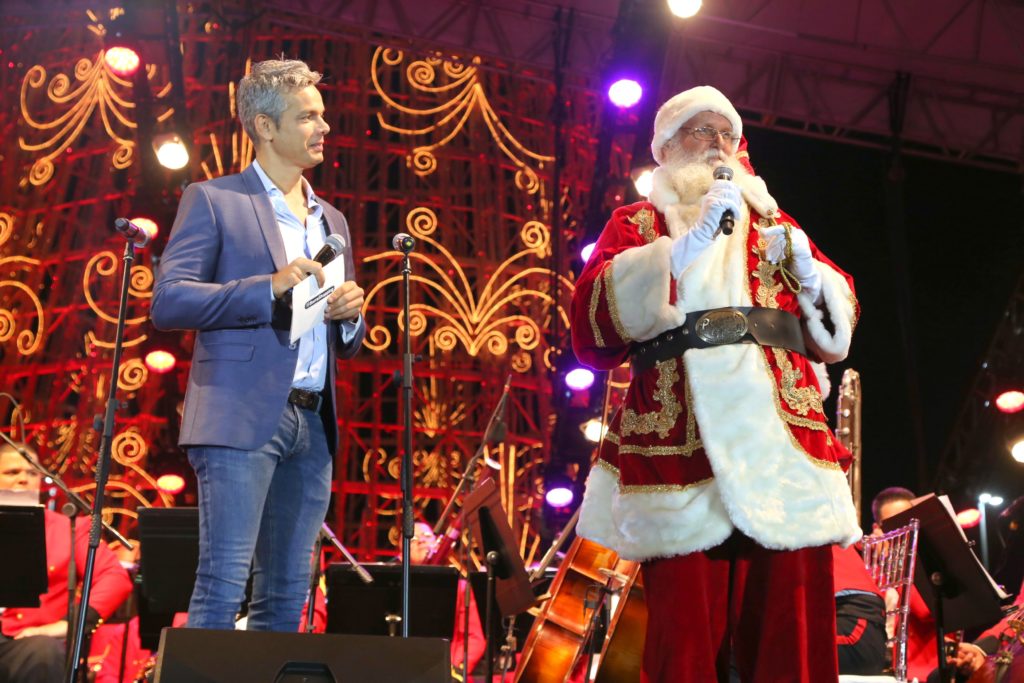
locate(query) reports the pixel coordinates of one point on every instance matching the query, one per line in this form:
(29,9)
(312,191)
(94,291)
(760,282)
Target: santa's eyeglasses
(708,134)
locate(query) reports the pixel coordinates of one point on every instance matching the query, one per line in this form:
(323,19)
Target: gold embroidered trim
(692,442)
(644,221)
(655,451)
(612,437)
(662,488)
(613,304)
(799,422)
(595,300)
(663,420)
(799,399)
(767,288)
(604,464)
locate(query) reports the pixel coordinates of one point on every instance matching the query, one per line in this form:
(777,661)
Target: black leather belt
(719,326)
(304,398)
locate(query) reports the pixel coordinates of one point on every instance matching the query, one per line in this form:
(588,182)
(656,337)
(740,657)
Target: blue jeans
(262,510)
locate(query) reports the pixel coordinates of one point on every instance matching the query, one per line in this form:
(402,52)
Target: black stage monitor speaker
(203,656)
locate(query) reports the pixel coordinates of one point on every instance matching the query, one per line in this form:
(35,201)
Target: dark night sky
(965,250)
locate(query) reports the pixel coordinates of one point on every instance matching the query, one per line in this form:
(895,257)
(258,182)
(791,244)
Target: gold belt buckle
(721,326)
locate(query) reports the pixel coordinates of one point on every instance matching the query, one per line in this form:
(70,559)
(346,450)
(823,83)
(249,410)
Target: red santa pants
(773,611)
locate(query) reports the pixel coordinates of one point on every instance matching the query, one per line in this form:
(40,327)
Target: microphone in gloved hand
(728,221)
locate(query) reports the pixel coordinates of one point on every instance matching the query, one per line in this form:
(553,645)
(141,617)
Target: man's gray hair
(263,90)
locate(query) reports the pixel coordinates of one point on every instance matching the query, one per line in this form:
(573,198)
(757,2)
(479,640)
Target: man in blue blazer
(259,422)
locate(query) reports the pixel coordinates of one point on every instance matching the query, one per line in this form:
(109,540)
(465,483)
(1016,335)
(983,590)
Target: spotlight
(989,499)
(625,92)
(968,518)
(170,483)
(586,251)
(643,180)
(171,151)
(594,430)
(1015,442)
(160,361)
(559,492)
(122,60)
(684,9)
(1011,401)
(579,379)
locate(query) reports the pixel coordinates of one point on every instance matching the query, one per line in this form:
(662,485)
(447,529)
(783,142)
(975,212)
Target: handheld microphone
(725,225)
(333,246)
(132,232)
(403,242)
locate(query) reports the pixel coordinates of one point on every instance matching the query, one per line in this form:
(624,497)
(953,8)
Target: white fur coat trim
(641,278)
(643,526)
(774,492)
(831,347)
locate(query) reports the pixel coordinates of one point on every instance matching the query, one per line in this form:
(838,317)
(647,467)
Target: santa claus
(719,471)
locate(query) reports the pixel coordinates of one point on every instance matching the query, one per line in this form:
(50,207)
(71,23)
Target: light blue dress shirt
(302,240)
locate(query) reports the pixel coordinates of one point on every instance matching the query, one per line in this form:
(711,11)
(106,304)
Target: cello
(556,647)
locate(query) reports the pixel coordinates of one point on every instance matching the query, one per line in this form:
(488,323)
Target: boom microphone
(333,246)
(133,233)
(725,225)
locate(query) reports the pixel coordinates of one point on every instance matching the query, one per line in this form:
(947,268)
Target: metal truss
(977,437)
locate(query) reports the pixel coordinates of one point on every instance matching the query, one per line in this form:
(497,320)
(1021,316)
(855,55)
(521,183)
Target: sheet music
(21,498)
(944,501)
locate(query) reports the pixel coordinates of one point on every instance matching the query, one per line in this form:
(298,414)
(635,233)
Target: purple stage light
(559,497)
(579,379)
(586,251)
(625,92)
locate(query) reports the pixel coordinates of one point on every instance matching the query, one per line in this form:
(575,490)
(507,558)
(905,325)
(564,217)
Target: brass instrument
(848,428)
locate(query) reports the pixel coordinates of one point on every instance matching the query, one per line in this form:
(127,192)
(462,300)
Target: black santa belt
(720,326)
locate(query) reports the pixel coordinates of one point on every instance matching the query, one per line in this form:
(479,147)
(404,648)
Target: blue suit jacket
(215,278)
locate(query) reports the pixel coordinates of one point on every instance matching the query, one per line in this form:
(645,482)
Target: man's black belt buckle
(303,398)
(721,326)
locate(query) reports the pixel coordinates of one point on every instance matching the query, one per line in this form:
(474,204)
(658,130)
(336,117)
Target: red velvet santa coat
(729,437)
(110,582)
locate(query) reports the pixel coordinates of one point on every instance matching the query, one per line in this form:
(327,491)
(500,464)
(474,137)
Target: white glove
(802,265)
(723,196)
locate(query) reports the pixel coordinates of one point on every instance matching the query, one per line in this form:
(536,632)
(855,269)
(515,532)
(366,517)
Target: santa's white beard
(691,179)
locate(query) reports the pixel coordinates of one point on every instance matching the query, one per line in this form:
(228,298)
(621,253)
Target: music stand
(168,557)
(949,577)
(23,547)
(374,609)
(508,583)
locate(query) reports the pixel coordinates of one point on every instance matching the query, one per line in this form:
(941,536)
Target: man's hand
(58,629)
(723,196)
(294,273)
(969,658)
(802,263)
(345,302)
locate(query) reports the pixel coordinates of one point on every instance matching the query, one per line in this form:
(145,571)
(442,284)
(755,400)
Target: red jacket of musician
(110,584)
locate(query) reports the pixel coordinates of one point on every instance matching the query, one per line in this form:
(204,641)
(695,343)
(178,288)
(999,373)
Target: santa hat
(684,106)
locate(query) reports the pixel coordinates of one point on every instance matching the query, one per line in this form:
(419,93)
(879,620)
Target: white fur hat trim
(684,106)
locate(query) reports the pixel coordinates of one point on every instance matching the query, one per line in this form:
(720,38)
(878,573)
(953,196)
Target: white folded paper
(309,300)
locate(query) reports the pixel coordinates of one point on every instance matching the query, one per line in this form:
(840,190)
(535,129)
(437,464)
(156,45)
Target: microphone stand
(102,467)
(408,523)
(327,534)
